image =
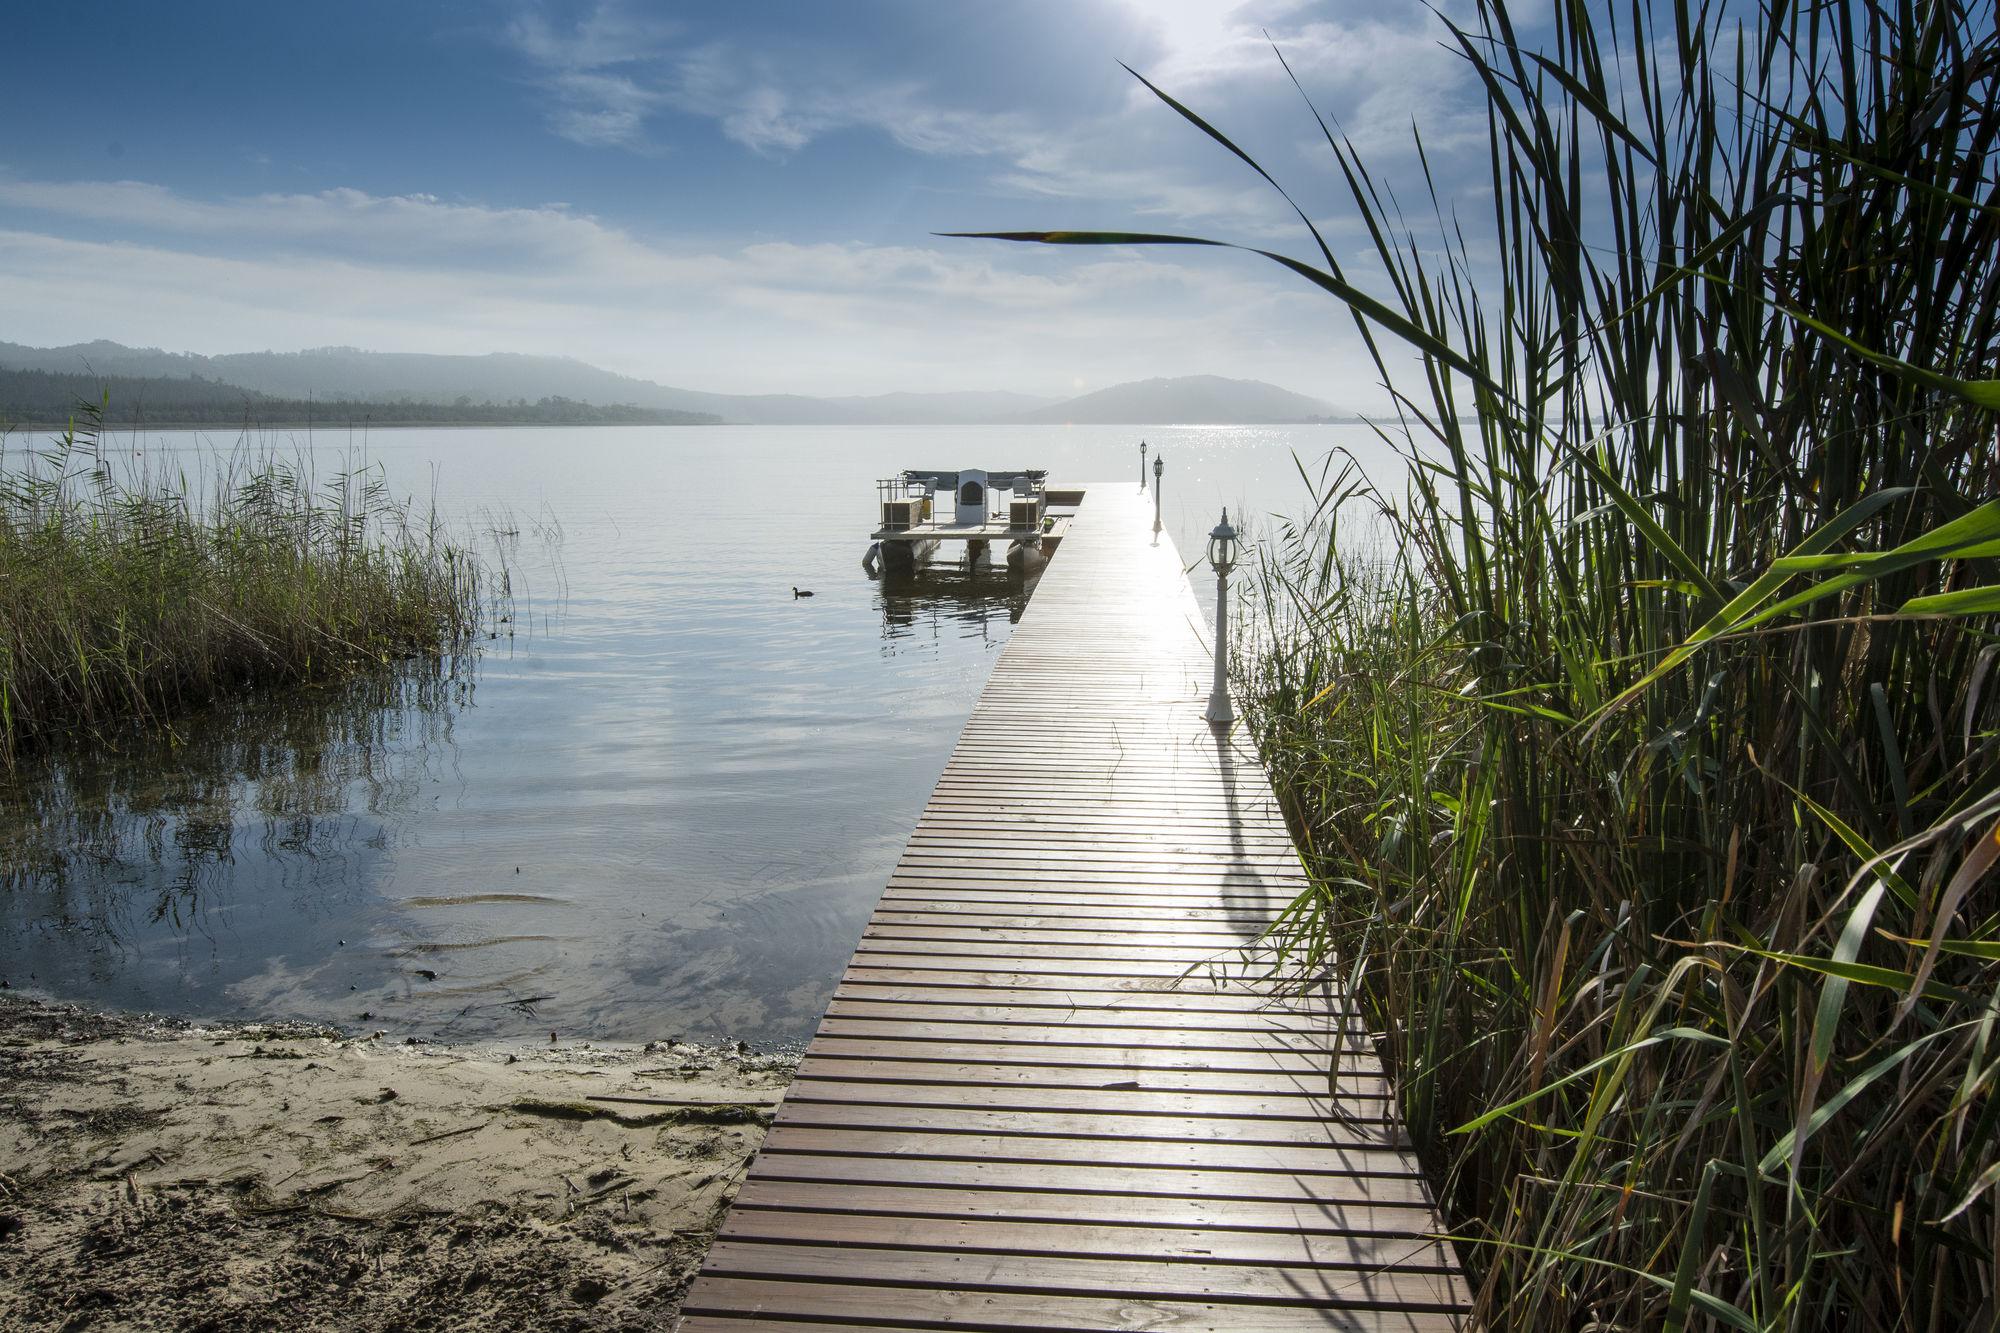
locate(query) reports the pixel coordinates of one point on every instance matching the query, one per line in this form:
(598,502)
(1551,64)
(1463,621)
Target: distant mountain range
(53,400)
(498,379)
(1187,400)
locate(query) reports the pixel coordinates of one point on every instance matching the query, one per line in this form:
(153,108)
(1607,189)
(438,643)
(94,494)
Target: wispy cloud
(389,229)
(415,273)
(596,71)
(769,107)
(614,77)
(611,71)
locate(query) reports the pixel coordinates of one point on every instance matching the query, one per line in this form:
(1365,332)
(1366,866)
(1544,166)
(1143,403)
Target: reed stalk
(128,599)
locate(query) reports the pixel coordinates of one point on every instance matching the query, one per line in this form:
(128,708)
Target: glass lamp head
(1222,545)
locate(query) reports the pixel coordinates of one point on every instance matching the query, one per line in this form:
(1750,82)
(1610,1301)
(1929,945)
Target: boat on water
(919,511)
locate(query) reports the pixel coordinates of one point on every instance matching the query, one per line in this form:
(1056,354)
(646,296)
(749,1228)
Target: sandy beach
(161,1174)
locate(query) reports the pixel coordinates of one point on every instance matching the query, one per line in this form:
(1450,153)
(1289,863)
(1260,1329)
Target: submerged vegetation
(1651,779)
(126,598)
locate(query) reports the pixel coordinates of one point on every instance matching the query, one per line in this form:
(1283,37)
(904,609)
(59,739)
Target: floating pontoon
(919,510)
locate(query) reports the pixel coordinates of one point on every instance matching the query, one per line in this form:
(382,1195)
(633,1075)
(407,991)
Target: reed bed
(1650,779)
(129,596)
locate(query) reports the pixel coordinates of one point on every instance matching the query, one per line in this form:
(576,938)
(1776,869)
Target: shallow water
(664,803)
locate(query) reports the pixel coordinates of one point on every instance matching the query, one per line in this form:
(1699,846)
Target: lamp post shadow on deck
(1221,555)
(1159,467)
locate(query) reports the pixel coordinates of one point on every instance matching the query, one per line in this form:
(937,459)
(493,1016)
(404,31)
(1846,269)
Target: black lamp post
(1221,555)
(1159,467)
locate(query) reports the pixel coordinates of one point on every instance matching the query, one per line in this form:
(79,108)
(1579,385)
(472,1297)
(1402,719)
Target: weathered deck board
(1060,1085)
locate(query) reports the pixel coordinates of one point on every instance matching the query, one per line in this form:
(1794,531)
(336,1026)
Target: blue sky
(733,197)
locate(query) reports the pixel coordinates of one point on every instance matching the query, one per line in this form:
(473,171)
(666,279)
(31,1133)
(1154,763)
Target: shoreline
(159,1171)
(316,425)
(127,428)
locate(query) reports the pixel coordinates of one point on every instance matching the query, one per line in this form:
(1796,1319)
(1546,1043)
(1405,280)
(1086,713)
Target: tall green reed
(127,598)
(1651,781)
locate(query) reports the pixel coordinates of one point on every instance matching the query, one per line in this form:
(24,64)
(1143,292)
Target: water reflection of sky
(664,801)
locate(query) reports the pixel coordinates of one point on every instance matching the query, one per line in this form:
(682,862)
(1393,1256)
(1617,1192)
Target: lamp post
(1142,467)
(1159,467)
(1222,555)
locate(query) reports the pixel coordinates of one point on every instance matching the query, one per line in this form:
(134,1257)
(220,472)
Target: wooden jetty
(1057,1087)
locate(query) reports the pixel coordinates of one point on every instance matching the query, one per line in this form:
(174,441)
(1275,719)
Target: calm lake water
(665,804)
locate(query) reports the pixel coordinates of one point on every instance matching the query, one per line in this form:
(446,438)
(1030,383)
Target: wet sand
(158,1174)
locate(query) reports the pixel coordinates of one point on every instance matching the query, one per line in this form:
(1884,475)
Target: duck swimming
(798,592)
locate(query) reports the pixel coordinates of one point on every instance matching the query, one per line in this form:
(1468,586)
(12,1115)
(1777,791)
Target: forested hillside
(49,398)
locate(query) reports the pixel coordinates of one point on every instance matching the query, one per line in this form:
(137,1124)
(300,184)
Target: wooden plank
(989,922)
(1378,1217)
(891,1306)
(1209,985)
(1086,846)
(1357,1121)
(1176,987)
(1249,918)
(1286,1248)
(1160,956)
(1249,895)
(999,862)
(1059,1085)
(1395,1287)
(1134,1042)
(1258,816)
(1028,931)
(1049,1050)
(1164,1182)
(1011,1074)
(800,1135)
(1072,961)
(1123,918)
(1049,943)
(1066,839)
(1077,1010)
(1180,844)
(1238,910)
(1239,902)
(1232,879)
(1299,1115)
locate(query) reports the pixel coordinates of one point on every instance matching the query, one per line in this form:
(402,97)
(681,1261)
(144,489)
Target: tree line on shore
(49,399)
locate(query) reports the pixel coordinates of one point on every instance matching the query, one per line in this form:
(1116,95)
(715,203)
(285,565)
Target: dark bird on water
(798,592)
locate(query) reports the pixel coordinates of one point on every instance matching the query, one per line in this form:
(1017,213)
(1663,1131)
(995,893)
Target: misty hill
(349,372)
(497,378)
(1188,400)
(51,398)
(501,378)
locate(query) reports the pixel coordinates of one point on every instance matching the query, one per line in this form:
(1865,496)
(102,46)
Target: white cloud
(415,273)
(611,72)
(411,227)
(1375,70)
(592,71)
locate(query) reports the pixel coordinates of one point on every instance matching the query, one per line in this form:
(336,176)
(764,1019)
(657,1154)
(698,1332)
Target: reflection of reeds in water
(134,596)
(93,838)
